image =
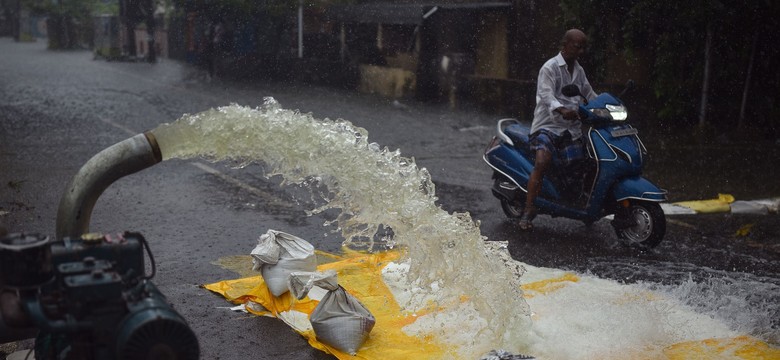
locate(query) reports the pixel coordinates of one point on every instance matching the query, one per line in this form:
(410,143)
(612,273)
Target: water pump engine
(88,297)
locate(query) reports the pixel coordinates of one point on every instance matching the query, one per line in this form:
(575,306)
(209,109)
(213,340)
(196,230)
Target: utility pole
(126,19)
(148,9)
(300,29)
(16,22)
(705,87)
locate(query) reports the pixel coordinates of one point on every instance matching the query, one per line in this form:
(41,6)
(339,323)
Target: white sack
(749,207)
(341,321)
(300,283)
(267,250)
(294,255)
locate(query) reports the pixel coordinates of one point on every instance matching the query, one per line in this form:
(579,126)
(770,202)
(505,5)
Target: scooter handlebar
(597,112)
(589,118)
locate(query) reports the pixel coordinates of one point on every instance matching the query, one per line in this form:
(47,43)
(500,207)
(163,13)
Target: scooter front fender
(637,187)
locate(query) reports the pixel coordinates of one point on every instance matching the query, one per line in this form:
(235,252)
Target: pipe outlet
(121,159)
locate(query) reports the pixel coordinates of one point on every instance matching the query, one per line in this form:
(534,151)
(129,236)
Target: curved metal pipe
(123,158)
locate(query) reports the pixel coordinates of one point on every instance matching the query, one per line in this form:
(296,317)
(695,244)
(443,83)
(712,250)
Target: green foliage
(79,10)
(671,35)
(600,26)
(65,8)
(675,33)
(246,8)
(242,8)
(103,8)
(69,21)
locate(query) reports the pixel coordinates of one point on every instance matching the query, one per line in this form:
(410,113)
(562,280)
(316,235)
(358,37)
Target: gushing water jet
(371,187)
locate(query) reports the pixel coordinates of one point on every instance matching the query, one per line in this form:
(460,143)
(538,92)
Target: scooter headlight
(617,112)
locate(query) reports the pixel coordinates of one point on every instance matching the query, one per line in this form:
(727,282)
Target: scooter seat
(519,135)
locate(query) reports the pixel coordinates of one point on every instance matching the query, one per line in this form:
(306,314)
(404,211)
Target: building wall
(492,53)
(485,55)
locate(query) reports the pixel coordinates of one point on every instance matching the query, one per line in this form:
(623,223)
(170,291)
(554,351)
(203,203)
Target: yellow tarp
(738,348)
(721,204)
(360,275)
(546,286)
(742,347)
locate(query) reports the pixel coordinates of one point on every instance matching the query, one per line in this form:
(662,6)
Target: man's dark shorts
(564,149)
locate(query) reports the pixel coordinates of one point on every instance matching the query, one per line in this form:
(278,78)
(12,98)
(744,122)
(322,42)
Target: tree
(672,36)
(70,21)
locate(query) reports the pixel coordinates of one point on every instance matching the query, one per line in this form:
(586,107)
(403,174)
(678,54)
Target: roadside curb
(724,203)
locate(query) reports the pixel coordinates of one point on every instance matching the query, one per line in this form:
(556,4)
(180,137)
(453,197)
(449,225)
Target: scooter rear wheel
(504,190)
(650,224)
(512,210)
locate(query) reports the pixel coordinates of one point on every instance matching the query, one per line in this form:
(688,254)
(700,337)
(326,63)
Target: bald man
(556,135)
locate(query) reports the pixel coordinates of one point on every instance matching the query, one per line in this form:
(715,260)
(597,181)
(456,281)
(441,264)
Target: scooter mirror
(571,90)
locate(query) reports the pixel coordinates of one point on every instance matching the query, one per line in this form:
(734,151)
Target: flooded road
(60,108)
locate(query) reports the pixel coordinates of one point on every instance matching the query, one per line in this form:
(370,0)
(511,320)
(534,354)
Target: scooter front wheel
(512,210)
(649,224)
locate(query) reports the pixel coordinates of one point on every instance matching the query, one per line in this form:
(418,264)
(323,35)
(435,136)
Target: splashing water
(373,188)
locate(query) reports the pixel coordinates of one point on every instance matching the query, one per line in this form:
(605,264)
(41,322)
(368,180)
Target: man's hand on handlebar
(568,114)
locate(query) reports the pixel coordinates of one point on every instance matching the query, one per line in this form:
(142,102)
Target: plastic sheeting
(741,347)
(731,348)
(724,203)
(360,275)
(721,204)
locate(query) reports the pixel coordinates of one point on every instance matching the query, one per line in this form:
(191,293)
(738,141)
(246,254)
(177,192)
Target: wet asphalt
(59,108)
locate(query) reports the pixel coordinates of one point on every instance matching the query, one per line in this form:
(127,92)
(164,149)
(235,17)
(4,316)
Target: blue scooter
(607,182)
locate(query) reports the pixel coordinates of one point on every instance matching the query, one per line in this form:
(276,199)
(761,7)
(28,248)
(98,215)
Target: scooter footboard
(637,187)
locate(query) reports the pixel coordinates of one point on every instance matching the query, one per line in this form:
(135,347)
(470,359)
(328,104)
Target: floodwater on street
(714,275)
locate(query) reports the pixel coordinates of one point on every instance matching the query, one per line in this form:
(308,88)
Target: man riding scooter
(556,135)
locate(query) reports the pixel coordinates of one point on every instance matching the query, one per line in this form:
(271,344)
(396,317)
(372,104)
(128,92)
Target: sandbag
(267,250)
(340,320)
(300,283)
(278,254)
(505,355)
